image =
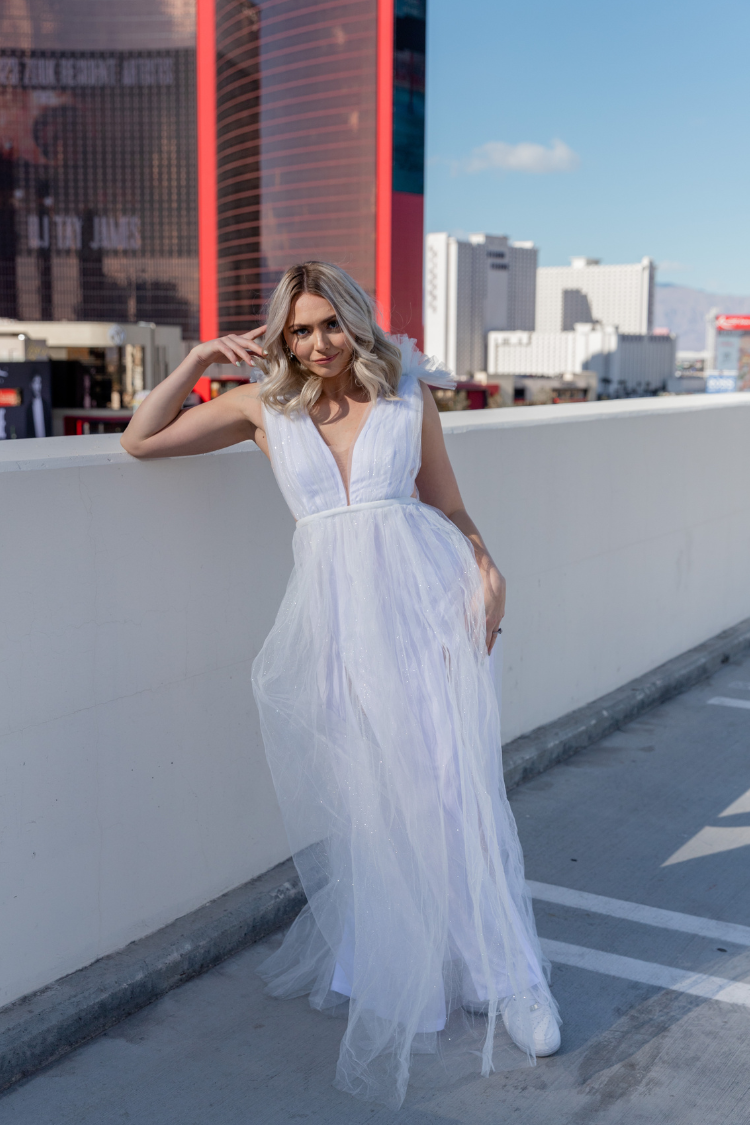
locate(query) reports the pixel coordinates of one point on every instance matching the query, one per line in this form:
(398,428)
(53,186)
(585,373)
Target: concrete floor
(218,1052)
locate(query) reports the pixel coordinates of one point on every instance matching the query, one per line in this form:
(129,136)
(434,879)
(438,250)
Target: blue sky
(606,129)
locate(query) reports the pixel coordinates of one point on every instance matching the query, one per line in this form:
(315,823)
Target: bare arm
(437,486)
(158,429)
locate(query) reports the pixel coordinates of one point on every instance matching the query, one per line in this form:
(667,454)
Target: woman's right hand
(157,429)
(235,349)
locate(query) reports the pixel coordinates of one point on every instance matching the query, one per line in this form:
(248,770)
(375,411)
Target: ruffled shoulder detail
(423,367)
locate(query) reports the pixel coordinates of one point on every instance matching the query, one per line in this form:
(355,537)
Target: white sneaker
(545,1033)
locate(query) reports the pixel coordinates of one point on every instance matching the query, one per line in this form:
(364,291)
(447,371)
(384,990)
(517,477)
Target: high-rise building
(586,292)
(472,288)
(166,160)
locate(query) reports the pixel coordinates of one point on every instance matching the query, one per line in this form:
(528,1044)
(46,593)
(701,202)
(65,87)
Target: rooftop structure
(138,786)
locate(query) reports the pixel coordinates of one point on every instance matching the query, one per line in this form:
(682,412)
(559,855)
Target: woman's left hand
(437,486)
(494,601)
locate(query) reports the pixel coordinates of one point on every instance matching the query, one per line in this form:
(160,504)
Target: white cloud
(523,157)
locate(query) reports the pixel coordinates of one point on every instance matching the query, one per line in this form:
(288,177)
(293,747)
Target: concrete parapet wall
(134,785)
(623,529)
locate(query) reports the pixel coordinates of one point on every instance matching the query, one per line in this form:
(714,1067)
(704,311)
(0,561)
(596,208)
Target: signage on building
(52,71)
(26,408)
(733,349)
(733,323)
(717,383)
(99,147)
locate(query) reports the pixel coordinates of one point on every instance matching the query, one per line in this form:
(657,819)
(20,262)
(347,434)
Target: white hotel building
(588,292)
(472,288)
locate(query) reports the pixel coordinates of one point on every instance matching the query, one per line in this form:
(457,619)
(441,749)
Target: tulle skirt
(382,731)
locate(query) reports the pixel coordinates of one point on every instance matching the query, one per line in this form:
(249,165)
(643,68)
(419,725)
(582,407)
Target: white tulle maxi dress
(382,731)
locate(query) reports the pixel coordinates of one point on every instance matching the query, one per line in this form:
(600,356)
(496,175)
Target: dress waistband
(358,508)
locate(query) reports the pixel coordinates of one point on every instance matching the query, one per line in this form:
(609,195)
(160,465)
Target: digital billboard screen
(98,207)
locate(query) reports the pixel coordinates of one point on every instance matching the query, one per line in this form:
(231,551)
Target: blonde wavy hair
(376,361)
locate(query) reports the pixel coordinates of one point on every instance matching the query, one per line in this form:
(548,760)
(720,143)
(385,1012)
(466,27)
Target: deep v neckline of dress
(346,480)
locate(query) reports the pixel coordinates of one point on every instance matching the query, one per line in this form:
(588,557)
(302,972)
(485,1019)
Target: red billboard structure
(310,145)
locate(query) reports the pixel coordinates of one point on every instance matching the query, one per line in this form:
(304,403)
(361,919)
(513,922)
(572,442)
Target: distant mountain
(683,312)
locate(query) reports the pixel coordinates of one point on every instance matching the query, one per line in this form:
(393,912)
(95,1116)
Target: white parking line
(647,915)
(646,972)
(727,701)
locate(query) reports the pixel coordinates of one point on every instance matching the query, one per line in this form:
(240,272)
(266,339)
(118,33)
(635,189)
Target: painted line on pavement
(646,972)
(648,915)
(728,701)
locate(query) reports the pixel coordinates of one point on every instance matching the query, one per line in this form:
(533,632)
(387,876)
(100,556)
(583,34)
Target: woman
(377,706)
